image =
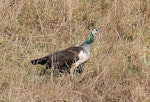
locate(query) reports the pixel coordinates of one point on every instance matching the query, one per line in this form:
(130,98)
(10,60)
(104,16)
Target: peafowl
(70,58)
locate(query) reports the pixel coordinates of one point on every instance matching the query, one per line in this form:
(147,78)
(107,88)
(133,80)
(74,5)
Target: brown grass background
(119,67)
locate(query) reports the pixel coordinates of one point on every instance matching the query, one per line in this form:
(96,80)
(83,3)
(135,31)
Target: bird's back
(66,55)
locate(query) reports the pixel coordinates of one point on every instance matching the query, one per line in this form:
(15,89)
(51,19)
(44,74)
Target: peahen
(70,58)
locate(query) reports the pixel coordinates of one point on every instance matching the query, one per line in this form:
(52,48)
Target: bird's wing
(67,55)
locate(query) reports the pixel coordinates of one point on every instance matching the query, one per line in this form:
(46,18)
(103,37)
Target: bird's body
(69,58)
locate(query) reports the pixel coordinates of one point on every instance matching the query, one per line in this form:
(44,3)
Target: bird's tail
(41,61)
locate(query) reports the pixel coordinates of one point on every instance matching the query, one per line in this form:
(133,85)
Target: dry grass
(119,68)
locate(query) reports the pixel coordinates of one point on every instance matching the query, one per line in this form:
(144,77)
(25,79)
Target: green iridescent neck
(90,39)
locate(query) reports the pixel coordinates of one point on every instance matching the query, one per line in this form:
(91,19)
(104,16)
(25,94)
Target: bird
(69,59)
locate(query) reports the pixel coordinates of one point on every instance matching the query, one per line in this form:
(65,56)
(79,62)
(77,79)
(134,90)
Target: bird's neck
(90,39)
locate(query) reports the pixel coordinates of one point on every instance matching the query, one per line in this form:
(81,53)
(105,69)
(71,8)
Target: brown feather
(60,59)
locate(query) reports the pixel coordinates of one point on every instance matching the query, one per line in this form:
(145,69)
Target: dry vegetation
(119,68)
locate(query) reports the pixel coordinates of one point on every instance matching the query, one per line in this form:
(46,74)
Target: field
(119,67)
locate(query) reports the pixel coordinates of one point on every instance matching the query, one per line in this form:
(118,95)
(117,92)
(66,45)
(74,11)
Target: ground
(119,67)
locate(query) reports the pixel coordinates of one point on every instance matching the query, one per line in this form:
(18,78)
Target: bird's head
(91,38)
(94,31)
